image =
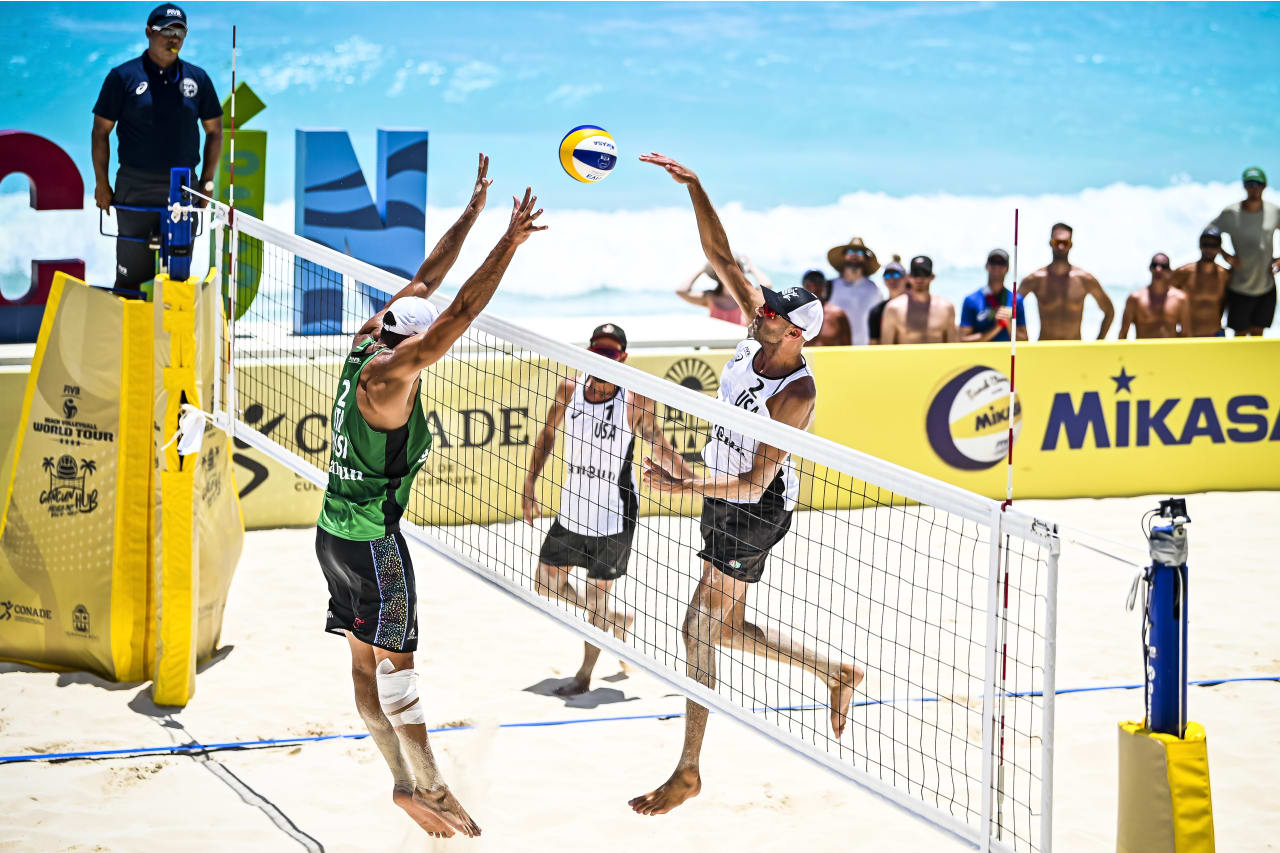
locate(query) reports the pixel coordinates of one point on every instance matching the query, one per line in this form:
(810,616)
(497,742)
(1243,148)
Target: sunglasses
(997,262)
(764,312)
(1160,266)
(893,274)
(607,352)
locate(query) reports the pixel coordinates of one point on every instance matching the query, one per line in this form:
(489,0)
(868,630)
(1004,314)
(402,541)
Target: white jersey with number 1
(598,496)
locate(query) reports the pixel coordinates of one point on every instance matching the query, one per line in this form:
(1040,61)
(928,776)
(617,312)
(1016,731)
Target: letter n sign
(55,185)
(332,205)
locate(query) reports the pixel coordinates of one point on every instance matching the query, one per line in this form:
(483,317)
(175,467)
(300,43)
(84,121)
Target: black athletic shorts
(1250,312)
(736,537)
(604,557)
(371,590)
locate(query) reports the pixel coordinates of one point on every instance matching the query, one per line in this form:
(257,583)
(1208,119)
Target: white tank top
(598,497)
(731,452)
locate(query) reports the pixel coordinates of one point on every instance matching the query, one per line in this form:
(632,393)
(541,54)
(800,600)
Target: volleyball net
(946,601)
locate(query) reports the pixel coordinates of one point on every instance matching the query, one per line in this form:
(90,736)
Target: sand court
(488,661)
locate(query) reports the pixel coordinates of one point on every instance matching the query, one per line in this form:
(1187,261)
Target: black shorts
(604,557)
(1250,312)
(736,537)
(371,590)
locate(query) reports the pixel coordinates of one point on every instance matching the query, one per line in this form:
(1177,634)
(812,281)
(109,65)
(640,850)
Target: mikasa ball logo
(968,420)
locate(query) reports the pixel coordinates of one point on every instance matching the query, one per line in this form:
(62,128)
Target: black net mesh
(850,573)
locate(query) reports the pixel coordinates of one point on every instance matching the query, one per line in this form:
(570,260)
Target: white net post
(943,599)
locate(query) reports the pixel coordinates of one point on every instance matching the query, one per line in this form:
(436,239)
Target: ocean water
(610,264)
(919,127)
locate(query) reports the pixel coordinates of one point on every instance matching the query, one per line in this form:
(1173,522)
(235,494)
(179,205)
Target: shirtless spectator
(1251,224)
(895,281)
(1205,283)
(1060,289)
(835,325)
(853,291)
(987,313)
(917,316)
(1157,310)
(718,300)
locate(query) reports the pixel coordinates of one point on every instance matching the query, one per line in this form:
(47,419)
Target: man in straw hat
(853,291)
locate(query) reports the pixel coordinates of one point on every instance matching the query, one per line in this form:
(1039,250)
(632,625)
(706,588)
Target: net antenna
(234,234)
(943,596)
(1003,603)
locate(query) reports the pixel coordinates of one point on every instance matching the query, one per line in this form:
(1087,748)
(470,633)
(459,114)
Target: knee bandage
(398,689)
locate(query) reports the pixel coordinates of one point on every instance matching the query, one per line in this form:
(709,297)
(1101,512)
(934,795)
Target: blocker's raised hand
(523,216)
(481,191)
(682,174)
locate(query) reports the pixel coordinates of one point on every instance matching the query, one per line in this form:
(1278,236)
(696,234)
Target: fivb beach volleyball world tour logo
(968,421)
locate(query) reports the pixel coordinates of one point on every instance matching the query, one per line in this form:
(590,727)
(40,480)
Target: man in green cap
(1251,224)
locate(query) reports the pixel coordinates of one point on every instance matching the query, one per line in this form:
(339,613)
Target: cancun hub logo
(1134,421)
(968,421)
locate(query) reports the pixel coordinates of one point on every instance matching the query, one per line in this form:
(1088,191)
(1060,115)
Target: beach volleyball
(588,153)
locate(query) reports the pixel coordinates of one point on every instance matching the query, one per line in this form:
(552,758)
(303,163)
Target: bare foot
(682,785)
(841,687)
(575,687)
(436,811)
(422,816)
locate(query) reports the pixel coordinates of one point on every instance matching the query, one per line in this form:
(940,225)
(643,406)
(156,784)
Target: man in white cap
(380,440)
(748,497)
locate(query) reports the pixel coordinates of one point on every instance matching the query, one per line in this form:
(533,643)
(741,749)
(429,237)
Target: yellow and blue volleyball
(588,153)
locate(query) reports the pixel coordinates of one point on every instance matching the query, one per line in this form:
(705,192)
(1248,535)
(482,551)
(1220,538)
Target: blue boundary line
(200,748)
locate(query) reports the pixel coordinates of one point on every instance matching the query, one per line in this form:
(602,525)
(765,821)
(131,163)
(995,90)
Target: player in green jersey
(380,440)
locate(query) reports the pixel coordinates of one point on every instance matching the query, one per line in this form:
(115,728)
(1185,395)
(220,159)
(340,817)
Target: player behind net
(380,440)
(597,519)
(749,497)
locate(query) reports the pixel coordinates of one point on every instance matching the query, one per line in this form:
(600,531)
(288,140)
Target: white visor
(409,315)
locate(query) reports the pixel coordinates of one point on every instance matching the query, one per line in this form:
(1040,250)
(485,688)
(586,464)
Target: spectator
(835,325)
(718,300)
(1251,224)
(852,291)
(895,281)
(917,316)
(1060,289)
(1205,283)
(987,312)
(1158,310)
(156,103)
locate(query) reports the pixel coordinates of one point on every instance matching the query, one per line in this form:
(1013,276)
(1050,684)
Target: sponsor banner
(1098,419)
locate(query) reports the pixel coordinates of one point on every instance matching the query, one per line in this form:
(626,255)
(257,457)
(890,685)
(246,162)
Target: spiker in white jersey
(748,497)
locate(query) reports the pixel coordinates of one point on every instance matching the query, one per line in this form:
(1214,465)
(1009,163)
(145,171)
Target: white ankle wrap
(396,689)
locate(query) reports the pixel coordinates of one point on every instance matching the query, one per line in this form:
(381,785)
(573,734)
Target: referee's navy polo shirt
(157,112)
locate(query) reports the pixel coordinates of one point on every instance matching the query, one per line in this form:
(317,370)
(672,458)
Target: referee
(155,102)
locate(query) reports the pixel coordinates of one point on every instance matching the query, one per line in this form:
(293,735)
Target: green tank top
(370,471)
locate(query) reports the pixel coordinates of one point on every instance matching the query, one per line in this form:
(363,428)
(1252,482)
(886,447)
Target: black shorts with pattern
(372,592)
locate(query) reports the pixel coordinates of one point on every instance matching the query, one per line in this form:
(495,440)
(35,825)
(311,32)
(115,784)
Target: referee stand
(1164,801)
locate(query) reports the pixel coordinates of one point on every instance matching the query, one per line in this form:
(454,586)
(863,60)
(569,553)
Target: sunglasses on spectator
(1159,265)
(607,352)
(893,274)
(996,262)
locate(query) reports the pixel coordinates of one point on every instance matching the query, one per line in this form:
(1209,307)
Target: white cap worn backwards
(409,315)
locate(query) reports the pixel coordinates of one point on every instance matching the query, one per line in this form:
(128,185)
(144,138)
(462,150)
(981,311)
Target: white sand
(567,786)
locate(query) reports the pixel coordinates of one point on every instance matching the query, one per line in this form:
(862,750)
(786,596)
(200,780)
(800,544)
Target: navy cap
(166,15)
(1211,233)
(801,308)
(815,274)
(610,330)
